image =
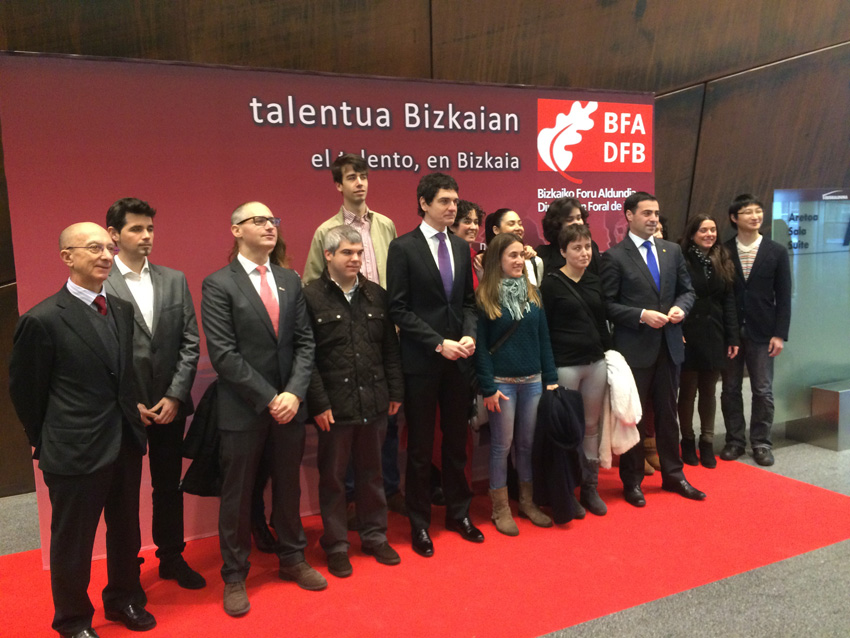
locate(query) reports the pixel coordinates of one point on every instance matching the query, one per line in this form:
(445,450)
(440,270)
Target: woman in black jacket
(711,335)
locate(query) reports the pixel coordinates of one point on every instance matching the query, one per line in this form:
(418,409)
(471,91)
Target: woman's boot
(527,508)
(501,517)
(706,454)
(588,496)
(651,452)
(689,452)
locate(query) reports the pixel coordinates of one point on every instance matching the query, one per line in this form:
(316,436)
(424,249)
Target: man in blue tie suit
(648,292)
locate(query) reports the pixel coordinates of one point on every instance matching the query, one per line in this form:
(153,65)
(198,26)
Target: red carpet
(541,581)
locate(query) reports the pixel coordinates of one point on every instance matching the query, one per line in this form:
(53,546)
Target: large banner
(195,142)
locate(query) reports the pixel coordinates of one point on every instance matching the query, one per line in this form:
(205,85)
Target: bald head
(71,235)
(78,248)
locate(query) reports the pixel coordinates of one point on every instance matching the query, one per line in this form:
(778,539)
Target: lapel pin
(280,288)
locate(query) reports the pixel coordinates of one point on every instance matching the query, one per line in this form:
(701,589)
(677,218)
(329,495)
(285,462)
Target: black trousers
(77,503)
(361,443)
(166,465)
(240,454)
(658,386)
(422,394)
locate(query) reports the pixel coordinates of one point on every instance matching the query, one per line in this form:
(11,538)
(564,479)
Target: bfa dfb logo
(593,137)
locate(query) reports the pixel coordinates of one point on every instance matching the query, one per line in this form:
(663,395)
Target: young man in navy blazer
(763,300)
(429,281)
(648,292)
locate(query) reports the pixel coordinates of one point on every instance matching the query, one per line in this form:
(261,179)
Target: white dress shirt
(434,244)
(141,287)
(639,243)
(254,275)
(84,294)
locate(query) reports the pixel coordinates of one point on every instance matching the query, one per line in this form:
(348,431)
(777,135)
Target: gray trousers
(362,443)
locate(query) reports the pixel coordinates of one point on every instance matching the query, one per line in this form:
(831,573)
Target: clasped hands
(655,319)
(284,407)
(162,413)
(453,350)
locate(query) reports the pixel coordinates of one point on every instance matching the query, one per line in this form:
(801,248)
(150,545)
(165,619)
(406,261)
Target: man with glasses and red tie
(72,385)
(648,292)
(261,345)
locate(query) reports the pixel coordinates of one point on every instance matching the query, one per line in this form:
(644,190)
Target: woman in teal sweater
(511,372)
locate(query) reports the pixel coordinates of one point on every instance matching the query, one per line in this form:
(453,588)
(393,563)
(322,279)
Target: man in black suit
(648,292)
(166,348)
(71,382)
(261,345)
(763,300)
(429,281)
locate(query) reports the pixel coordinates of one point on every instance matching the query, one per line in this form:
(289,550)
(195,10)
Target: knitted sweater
(528,351)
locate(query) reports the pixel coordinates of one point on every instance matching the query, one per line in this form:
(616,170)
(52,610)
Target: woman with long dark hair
(711,335)
(513,359)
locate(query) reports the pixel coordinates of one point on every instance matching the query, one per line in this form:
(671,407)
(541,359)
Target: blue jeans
(514,424)
(760,366)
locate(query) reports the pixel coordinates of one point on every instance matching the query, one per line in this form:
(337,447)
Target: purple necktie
(445,264)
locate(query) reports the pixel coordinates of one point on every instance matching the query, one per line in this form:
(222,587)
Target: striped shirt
(363,225)
(747,255)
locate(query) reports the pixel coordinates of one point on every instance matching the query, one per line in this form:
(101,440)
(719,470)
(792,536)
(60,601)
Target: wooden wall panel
(781,126)
(381,37)
(677,121)
(626,44)
(16,474)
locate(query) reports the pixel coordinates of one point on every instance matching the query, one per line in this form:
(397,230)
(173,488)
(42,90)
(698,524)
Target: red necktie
(100,302)
(272,306)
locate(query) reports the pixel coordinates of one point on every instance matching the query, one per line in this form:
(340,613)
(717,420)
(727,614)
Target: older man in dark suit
(166,348)
(647,294)
(71,382)
(261,345)
(429,281)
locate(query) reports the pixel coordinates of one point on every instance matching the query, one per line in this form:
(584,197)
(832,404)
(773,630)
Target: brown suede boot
(527,508)
(502,518)
(651,452)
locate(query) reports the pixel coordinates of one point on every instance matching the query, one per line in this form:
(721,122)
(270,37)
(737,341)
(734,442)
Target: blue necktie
(652,264)
(445,264)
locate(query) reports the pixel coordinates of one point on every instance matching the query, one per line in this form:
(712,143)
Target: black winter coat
(357,369)
(712,324)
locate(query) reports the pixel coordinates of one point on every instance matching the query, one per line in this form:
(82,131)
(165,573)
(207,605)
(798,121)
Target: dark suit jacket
(165,358)
(75,407)
(418,303)
(252,364)
(764,299)
(628,288)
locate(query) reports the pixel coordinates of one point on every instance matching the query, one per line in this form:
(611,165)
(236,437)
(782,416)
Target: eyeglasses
(96,249)
(259,220)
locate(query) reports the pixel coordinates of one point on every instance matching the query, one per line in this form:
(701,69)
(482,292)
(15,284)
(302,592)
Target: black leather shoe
(421,542)
(634,496)
(763,456)
(466,529)
(179,570)
(683,488)
(85,633)
(730,452)
(264,540)
(133,617)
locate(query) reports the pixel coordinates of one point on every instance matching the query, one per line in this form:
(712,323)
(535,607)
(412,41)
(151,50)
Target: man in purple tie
(429,281)
(648,292)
